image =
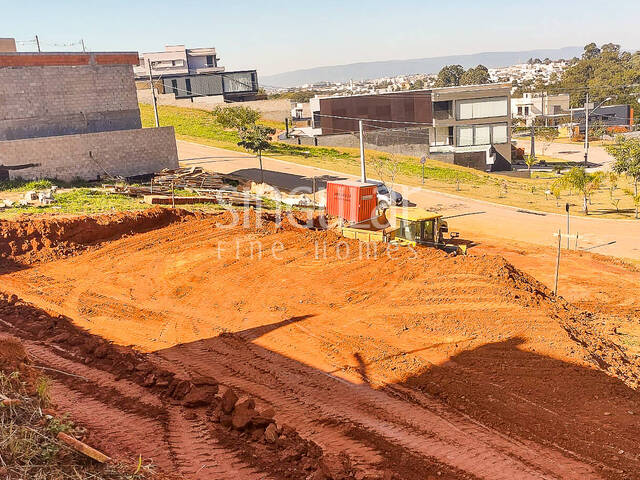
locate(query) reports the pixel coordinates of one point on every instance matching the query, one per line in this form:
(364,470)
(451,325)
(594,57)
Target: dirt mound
(411,361)
(44,238)
(14,358)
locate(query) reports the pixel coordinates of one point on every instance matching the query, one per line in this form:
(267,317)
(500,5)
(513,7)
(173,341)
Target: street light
(586,126)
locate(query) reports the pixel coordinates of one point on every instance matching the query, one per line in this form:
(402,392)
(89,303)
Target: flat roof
(56,59)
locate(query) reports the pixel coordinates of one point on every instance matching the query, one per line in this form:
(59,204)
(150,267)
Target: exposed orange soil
(405,361)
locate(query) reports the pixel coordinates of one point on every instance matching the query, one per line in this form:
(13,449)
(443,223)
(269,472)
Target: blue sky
(280,36)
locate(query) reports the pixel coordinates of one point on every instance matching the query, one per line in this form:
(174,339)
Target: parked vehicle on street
(386,197)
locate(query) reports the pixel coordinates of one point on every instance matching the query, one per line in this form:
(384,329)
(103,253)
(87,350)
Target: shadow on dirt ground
(583,414)
(287,181)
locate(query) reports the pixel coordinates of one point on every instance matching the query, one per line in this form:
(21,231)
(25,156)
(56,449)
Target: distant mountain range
(391,68)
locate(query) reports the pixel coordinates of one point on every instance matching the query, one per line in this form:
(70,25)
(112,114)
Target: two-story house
(464,125)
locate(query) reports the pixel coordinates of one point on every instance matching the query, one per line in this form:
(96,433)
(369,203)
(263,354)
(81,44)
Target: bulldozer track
(421,426)
(138,421)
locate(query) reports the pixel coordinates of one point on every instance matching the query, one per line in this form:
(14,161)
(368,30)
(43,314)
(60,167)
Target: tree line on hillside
(604,72)
(456,75)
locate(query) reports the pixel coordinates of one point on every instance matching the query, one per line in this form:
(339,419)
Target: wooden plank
(83,448)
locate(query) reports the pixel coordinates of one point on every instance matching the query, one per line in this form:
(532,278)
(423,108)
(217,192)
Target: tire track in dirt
(138,423)
(427,428)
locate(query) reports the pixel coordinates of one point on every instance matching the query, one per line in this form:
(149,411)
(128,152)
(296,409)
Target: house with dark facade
(611,117)
(466,125)
(230,86)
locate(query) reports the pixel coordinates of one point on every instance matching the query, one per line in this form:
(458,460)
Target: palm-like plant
(580,180)
(530,160)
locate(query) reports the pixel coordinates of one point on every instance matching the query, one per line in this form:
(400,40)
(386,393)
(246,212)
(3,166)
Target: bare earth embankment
(412,363)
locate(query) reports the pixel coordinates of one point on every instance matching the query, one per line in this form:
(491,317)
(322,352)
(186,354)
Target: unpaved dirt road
(464,366)
(476,218)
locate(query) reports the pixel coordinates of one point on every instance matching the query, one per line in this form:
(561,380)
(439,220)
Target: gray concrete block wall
(63,100)
(123,153)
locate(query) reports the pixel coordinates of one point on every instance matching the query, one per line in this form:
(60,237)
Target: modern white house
(534,105)
(178,60)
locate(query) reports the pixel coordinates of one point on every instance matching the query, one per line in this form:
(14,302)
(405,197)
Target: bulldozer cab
(419,227)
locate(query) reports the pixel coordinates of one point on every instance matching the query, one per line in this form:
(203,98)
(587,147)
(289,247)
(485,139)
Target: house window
(174,86)
(188,84)
(465,136)
(442,110)
(520,110)
(210,61)
(482,135)
(481,108)
(526,111)
(499,133)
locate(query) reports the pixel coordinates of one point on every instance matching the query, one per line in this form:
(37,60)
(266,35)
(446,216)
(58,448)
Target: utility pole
(555,288)
(38,43)
(568,225)
(314,193)
(586,130)
(363,171)
(153,94)
(533,140)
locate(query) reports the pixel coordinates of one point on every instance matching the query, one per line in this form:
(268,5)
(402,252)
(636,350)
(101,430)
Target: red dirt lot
(413,363)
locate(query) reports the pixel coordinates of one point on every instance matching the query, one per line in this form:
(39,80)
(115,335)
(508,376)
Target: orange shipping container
(352,201)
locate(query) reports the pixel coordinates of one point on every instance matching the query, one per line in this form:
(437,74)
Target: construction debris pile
(302,199)
(32,197)
(203,186)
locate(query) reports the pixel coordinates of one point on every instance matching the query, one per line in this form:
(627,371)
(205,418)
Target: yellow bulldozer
(407,226)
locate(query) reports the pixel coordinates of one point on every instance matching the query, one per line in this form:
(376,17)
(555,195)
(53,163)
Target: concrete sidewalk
(573,152)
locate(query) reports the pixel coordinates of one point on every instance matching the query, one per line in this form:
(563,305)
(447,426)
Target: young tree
(256,139)
(635,198)
(235,117)
(530,160)
(556,191)
(387,169)
(597,130)
(612,179)
(626,152)
(583,182)
(548,136)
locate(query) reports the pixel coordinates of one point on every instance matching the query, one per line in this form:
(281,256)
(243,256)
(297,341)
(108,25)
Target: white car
(386,197)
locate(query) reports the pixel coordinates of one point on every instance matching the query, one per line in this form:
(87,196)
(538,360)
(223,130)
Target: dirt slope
(411,362)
